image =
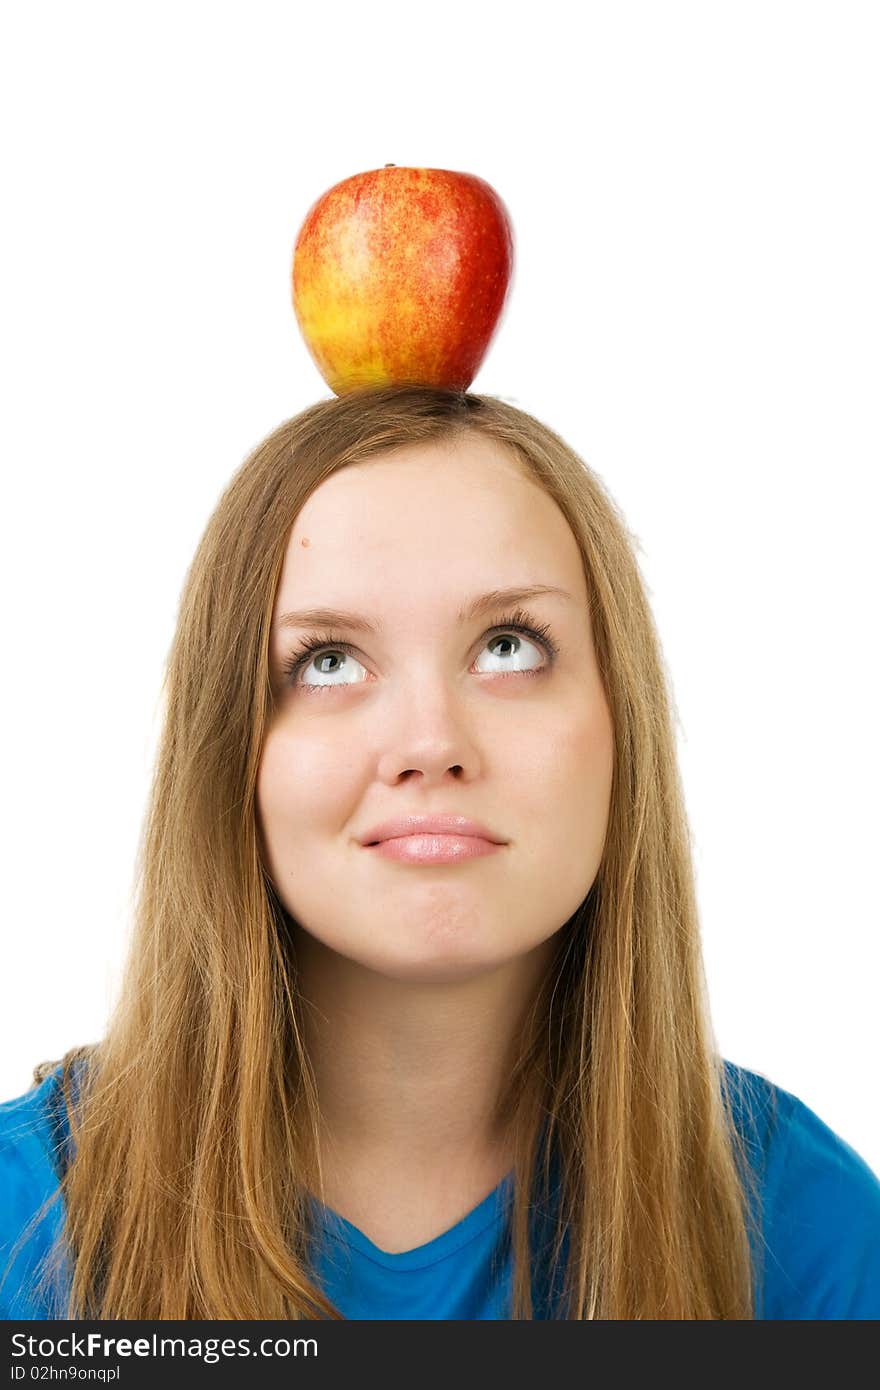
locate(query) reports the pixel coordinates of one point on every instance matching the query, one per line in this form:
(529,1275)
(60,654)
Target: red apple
(400,275)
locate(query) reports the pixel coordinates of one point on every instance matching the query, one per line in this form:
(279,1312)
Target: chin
(439,958)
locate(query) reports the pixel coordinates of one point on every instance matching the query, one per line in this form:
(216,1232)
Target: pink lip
(446,826)
(434,849)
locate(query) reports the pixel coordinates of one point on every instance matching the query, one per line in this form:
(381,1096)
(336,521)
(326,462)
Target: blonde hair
(195,1122)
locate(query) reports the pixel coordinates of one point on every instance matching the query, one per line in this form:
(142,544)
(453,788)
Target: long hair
(194,1122)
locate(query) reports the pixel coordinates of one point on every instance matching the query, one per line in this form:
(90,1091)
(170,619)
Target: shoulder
(819,1205)
(29,1131)
(29,1144)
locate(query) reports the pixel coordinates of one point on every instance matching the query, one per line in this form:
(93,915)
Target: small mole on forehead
(305,541)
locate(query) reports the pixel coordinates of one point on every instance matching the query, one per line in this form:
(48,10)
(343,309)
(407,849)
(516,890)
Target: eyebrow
(474,608)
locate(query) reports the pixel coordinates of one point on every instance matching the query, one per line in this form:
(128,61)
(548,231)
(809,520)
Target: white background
(695,308)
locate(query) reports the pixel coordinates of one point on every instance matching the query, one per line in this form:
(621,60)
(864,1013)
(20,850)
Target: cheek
(303,786)
(573,774)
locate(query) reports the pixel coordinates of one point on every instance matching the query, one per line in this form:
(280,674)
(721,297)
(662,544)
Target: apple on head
(400,275)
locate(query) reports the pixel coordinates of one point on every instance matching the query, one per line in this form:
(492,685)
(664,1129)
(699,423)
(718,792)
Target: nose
(428,735)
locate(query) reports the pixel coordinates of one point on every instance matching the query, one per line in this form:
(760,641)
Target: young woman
(414,1024)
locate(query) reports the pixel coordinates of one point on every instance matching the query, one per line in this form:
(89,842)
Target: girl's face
(432,712)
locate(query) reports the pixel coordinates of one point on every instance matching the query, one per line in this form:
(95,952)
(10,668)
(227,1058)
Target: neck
(411,1073)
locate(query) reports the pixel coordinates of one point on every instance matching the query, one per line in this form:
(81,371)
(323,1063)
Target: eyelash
(519,621)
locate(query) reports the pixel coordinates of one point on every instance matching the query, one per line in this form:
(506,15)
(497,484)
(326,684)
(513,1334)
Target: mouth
(433,848)
(456,826)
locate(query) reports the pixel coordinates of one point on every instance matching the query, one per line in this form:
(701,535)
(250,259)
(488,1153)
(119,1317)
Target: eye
(324,655)
(511,651)
(326,662)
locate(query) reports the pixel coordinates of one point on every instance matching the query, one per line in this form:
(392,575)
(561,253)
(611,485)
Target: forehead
(427,526)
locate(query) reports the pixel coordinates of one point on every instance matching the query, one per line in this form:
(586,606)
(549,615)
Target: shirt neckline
(488,1211)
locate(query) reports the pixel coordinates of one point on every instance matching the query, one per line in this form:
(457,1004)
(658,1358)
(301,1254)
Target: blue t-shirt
(819,1258)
